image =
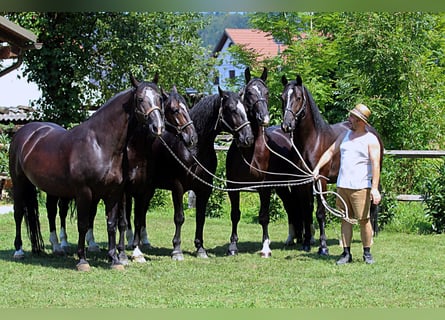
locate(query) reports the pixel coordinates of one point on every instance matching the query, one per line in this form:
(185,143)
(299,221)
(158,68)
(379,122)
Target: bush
(434,198)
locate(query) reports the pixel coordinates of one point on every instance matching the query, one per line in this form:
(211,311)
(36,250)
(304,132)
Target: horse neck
(204,116)
(112,115)
(310,127)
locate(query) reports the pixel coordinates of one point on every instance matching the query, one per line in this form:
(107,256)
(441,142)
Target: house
(256,41)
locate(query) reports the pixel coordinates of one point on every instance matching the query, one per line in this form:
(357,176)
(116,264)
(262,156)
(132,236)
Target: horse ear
(264,74)
(247,75)
(174,90)
(284,80)
(134,82)
(299,80)
(156,78)
(164,94)
(222,93)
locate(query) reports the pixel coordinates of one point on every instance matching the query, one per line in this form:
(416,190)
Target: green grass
(408,272)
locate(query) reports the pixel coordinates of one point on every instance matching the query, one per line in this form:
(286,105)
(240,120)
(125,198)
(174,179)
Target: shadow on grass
(100,259)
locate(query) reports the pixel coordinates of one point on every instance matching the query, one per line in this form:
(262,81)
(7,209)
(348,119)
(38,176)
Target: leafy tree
(59,68)
(86,57)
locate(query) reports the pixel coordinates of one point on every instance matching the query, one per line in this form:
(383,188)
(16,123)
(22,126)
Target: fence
(413,154)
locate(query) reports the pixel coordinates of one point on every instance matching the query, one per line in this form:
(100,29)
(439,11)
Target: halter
(301,111)
(223,121)
(178,129)
(146,115)
(259,99)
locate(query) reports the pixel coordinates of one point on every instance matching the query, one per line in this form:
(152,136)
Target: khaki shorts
(358,202)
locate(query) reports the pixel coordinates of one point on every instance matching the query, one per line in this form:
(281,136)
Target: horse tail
(32,221)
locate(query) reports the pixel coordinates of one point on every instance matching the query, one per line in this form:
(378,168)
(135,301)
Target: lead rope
(251,187)
(309,173)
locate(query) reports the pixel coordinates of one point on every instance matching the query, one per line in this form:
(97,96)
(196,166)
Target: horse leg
(83,216)
(19,212)
(63,213)
(122,226)
(128,208)
(202,198)
(235,216)
(112,212)
(321,219)
(177,196)
(51,209)
(264,219)
(141,203)
(89,237)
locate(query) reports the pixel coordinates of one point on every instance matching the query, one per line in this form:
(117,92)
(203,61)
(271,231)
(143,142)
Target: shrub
(434,198)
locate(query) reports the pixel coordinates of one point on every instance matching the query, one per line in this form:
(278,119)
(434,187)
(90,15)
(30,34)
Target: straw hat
(361,111)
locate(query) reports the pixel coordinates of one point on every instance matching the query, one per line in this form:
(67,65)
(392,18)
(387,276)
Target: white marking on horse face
(183,108)
(257,90)
(241,109)
(289,95)
(151,97)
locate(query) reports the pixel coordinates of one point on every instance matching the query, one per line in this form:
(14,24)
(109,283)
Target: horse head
(148,108)
(294,103)
(233,115)
(177,118)
(255,97)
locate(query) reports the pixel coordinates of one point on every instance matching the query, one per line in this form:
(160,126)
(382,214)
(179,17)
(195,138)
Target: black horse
(144,163)
(244,165)
(180,171)
(279,166)
(311,135)
(85,163)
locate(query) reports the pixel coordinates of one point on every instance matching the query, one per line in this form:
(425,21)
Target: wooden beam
(415,153)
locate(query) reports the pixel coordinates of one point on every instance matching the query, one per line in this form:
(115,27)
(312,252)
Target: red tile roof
(259,41)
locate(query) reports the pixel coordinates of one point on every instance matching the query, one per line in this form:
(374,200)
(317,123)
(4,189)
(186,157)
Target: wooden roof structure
(14,41)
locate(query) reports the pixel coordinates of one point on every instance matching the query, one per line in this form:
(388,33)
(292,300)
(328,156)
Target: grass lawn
(409,271)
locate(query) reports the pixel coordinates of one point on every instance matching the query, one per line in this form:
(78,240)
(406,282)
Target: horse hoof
(83,266)
(306,248)
(117,266)
(265,254)
(123,259)
(19,255)
(138,259)
(323,251)
(201,253)
(177,257)
(232,253)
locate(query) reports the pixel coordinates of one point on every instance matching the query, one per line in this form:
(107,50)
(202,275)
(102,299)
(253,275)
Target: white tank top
(355,163)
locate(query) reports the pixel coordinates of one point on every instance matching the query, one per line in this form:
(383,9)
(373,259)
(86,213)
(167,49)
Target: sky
(14,91)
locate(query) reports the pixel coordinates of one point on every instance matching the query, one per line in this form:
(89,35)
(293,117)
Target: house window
(231,74)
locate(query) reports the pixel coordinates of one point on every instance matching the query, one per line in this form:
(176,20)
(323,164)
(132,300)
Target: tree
(87,57)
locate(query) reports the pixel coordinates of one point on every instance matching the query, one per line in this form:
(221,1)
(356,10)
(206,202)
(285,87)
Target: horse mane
(204,114)
(319,122)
